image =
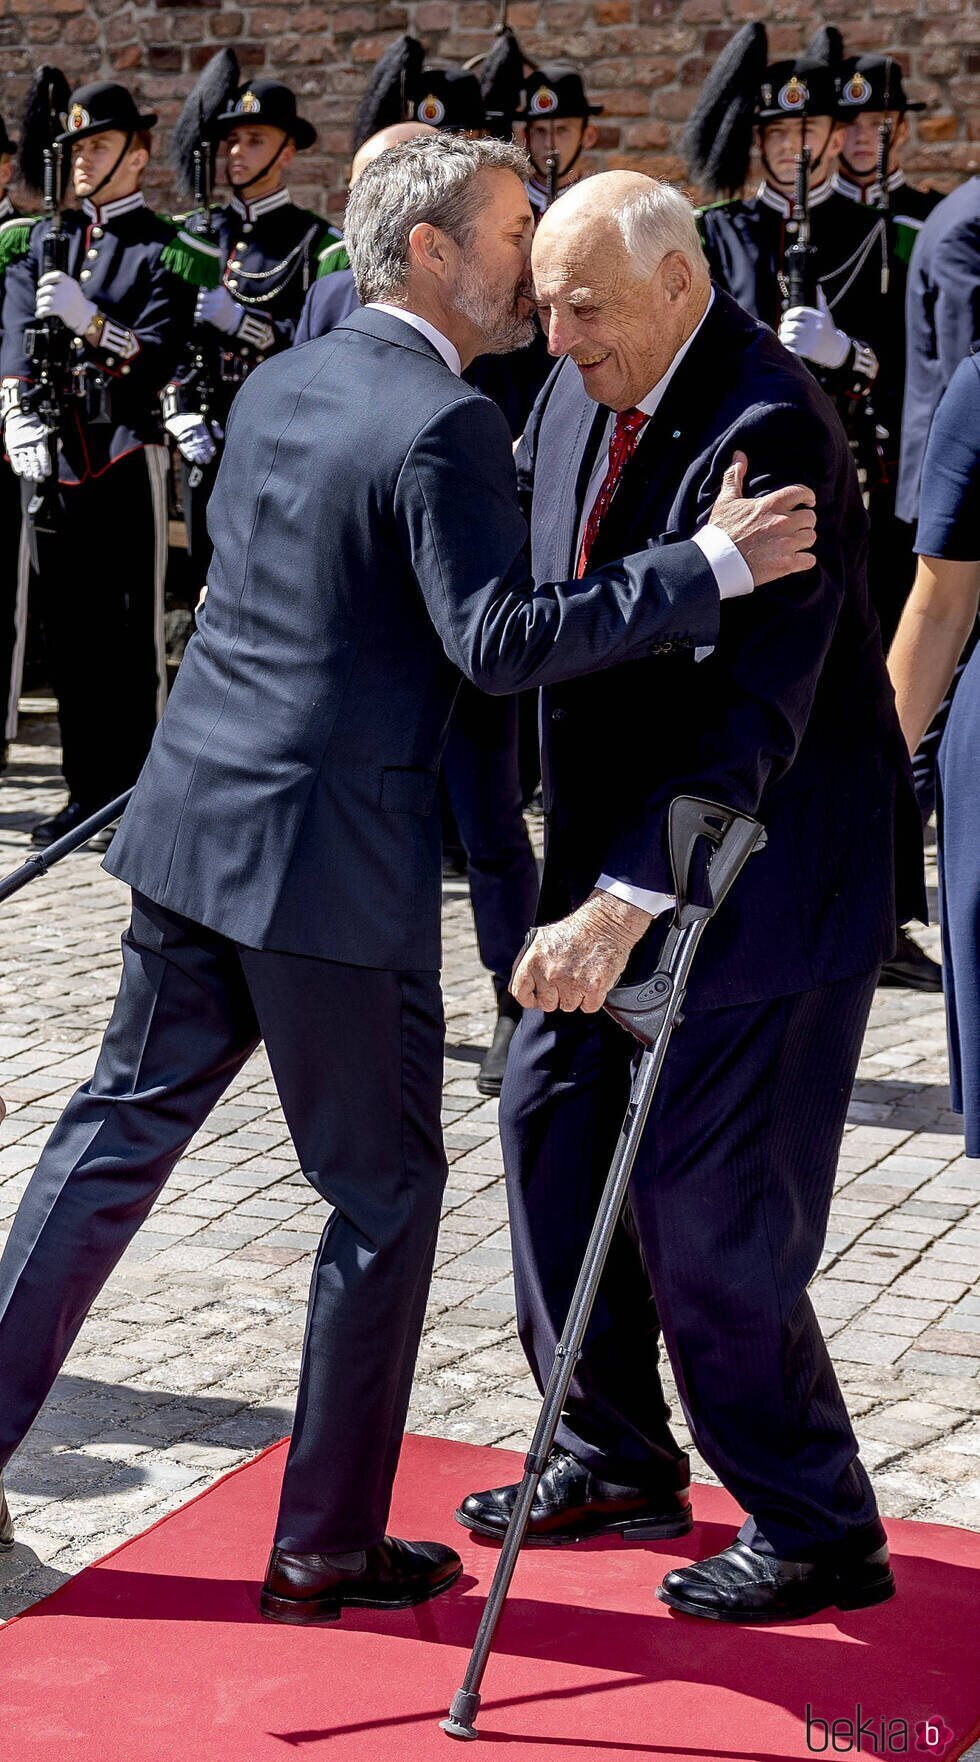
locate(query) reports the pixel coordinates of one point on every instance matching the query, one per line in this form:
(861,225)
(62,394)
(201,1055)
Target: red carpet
(157,1654)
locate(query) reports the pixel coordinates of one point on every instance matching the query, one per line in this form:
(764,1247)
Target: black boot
(492,1069)
(911,967)
(740,1585)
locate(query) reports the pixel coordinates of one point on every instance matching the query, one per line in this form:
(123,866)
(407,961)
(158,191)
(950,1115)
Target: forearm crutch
(43,860)
(709,845)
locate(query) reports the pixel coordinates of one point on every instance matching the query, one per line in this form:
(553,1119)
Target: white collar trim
(109,211)
(783,204)
(251,210)
(867,194)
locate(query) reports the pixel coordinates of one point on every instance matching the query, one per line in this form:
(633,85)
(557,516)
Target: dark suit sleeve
(456,507)
(750,708)
(304,330)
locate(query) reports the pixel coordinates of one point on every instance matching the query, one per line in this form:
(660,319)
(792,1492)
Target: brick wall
(644,61)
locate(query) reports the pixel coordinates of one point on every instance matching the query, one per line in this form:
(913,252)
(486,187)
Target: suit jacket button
(558,715)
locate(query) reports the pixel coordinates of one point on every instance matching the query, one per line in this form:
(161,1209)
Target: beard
(494,310)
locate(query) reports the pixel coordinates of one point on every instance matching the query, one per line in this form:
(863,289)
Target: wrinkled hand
(26,440)
(811,332)
(218,307)
(193,437)
(59,296)
(575,963)
(773,532)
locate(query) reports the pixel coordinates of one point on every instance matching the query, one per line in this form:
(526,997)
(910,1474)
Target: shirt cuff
(655,903)
(730,570)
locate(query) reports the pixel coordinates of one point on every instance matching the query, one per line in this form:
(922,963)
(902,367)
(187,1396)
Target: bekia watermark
(873,1734)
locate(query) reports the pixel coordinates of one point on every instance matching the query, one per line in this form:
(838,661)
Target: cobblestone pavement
(188,1363)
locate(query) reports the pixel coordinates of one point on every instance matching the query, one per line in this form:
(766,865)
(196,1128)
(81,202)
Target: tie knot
(628,423)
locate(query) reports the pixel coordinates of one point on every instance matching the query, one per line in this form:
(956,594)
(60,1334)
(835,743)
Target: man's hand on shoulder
(575,963)
(773,532)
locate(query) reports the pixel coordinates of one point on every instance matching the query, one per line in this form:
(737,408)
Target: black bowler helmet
(872,82)
(556,92)
(403,89)
(271,104)
(745,89)
(104,105)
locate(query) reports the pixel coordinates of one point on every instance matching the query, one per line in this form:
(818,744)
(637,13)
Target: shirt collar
(263,204)
(869,195)
(109,210)
(447,350)
(6,208)
(784,204)
(653,399)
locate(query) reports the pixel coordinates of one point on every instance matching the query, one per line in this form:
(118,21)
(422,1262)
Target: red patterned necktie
(626,433)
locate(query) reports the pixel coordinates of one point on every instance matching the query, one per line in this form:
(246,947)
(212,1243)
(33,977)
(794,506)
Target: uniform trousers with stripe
(356,1055)
(100,593)
(725,1223)
(14,576)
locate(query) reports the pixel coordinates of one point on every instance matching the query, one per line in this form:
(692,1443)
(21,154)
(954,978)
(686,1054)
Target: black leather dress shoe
(6,1525)
(300,1588)
(572,1504)
(911,967)
(68,817)
(741,1585)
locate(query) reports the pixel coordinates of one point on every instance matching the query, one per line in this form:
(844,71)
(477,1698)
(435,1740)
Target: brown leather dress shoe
(6,1525)
(300,1588)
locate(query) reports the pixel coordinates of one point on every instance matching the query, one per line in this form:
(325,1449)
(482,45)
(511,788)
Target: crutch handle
(640,1007)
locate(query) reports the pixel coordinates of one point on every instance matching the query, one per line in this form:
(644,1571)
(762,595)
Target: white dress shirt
(447,350)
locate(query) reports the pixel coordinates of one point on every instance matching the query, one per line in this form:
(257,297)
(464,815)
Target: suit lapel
(581,460)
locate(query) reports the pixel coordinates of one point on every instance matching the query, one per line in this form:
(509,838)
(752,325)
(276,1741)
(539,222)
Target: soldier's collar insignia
(78,117)
(544,102)
(794,95)
(431,110)
(857,90)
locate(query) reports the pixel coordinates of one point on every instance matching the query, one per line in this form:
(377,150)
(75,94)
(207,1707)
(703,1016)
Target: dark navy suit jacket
(792,718)
(368,550)
(942,323)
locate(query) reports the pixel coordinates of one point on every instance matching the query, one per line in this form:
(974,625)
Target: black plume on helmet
(44,110)
(383,100)
(213,92)
(825,49)
(717,141)
(502,83)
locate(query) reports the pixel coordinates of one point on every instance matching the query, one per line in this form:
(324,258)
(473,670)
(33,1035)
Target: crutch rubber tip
(462,1713)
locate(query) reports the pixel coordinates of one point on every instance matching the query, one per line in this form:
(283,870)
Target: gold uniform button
(85,275)
(110,360)
(233,283)
(96,232)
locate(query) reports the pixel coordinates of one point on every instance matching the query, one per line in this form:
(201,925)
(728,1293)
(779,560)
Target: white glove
(26,440)
(193,438)
(59,296)
(811,332)
(218,307)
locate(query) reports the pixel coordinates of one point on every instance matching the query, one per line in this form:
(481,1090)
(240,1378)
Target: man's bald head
(385,138)
(621,281)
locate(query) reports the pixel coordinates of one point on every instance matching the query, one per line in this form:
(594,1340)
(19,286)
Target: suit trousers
(725,1223)
(100,594)
(356,1053)
(481,773)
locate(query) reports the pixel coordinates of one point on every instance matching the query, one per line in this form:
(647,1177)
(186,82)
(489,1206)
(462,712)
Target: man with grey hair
(663,377)
(282,843)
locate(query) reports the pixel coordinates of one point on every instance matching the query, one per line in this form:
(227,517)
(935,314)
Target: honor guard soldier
(15,231)
(874,106)
(91,324)
(558,131)
(254,259)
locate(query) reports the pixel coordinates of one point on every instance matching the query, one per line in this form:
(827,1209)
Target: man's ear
(139,159)
(287,155)
(429,249)
(590,134)
(677,276)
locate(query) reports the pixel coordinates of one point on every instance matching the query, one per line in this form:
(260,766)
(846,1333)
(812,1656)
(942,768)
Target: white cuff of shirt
(655,903)
(730,570)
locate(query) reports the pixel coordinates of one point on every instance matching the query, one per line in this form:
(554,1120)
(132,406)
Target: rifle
(48,345)
(801,281)
(884,194)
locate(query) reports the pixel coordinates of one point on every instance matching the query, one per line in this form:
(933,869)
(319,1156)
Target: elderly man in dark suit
(789,716)
(283,845)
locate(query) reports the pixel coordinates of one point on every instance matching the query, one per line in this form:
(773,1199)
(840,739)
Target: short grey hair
(654,222)
(435,180)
